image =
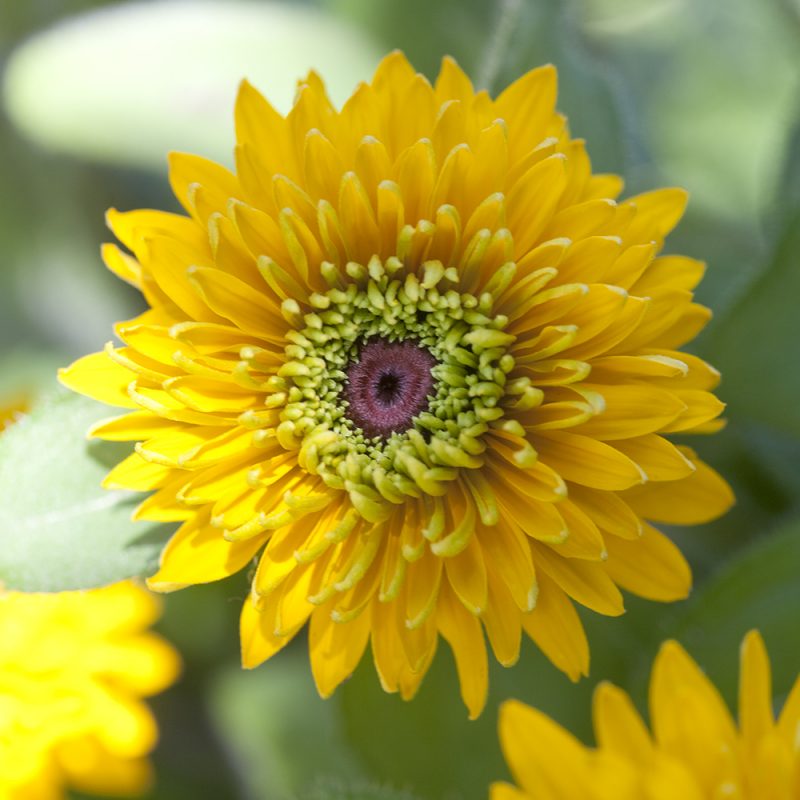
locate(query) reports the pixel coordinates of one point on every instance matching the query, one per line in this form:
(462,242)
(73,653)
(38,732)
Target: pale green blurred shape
(128,83)
(52,498)
(280,734)
(719,88)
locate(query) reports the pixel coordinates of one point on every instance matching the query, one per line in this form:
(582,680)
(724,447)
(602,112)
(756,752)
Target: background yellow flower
(74,668)
(696,751)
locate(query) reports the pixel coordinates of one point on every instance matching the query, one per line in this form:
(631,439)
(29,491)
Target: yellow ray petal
(618,725)
(700,497)
(650,566)
(335,648)
(631,411)
(557,629)
(660,459)
(137,474)
(609,512)
(584,581)
(657,213)
(100,378)
(542,756)
(463,633)
(687,714)
(198,553)
(503,622)
(587,461)
(466,574)
(755,692)
(257,635)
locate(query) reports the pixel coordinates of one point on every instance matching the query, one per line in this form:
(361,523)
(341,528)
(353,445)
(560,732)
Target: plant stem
(497,46)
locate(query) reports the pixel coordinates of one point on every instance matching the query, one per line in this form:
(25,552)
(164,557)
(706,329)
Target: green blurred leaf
(285,739)
(755,346)
(128,83)
(59,529)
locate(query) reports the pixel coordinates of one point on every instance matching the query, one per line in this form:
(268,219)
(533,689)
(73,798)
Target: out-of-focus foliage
(697,93)
(62,531)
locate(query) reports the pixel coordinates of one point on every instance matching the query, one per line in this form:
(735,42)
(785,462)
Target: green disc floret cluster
(384,300)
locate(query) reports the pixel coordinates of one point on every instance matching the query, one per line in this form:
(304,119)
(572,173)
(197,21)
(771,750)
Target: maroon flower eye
(388,386)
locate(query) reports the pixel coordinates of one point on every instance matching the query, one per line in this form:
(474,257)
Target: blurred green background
(696,93)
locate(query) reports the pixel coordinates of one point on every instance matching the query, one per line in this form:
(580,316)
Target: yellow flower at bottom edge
(73,669)
(416,359)
(696,750)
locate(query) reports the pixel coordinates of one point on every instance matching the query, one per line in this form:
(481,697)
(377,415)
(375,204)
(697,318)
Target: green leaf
(128,83)
(59,530)
(755,348)
(286,740)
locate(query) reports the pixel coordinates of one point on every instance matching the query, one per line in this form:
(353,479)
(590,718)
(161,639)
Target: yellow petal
(610,513)
(659,459)
(137,474)
(335,648)
(463,633)
(618,726)
(198,553)
(670,272)
(789,719)
(532,199)
(503,622)
(542,756)
(527,105)
(755,692)
(257,635)
(584,581)
(466,573)
(687,713)
(587,461)
(100,378)
(231,298)
(657,213)
(452,82)
(509,554)
(186,171)
(505,791)
(700,497)
(632,410)
(650,566)
(557,629)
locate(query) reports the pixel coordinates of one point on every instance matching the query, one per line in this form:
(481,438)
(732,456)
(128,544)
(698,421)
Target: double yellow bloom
(525,478)
(73,669)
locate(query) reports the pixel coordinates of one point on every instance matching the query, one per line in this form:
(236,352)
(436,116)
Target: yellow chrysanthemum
(417,353)
(73,669)
(695,752)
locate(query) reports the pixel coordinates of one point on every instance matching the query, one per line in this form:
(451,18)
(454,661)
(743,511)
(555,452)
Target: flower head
(695,751)
(73,667)
(415,355)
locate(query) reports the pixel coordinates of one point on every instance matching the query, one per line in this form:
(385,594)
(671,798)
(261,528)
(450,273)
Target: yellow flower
(415,352)
(73,667)
(11,410)
(695,752)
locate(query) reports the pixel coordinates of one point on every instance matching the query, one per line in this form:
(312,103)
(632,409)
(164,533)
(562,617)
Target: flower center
(388,386)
